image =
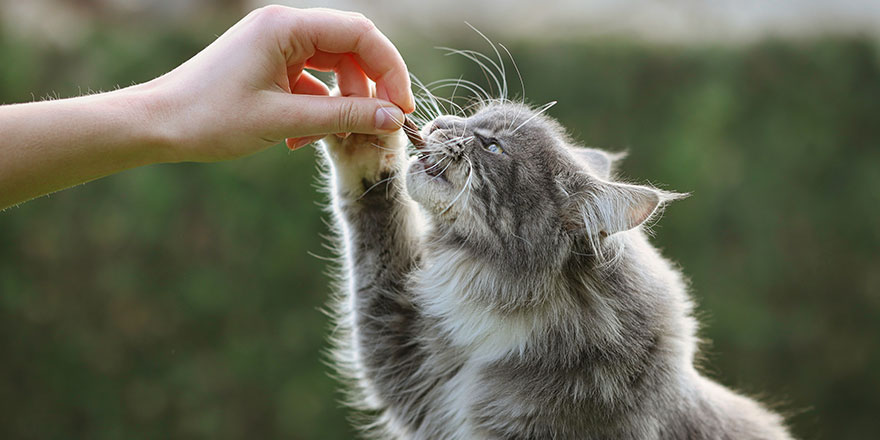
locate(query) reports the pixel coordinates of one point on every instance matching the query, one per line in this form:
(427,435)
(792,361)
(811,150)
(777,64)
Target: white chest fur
(448,289)
(445,290)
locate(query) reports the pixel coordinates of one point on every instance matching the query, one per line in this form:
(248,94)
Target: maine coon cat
(499,285)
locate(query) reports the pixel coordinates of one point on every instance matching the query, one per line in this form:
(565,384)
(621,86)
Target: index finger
(341,32)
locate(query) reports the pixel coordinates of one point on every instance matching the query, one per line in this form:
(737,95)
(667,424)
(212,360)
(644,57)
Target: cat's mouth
(433,168)
(434,173)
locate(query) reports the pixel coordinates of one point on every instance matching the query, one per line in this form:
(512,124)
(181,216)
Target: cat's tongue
(412,132)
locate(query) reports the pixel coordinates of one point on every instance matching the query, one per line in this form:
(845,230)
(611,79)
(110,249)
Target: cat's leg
(378,223)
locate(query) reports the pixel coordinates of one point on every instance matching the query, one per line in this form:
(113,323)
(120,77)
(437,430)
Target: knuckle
(271,12)
(348,116)
(364,24)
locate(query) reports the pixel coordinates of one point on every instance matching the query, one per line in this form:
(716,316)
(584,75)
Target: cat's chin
(429,188)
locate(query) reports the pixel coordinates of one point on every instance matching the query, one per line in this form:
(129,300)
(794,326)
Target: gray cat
(499,285)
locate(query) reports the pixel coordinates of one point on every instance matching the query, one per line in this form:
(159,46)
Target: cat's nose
(445,123)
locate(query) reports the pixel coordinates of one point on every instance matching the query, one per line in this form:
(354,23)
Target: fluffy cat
(499,285)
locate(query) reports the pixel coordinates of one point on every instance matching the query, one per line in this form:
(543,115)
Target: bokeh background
(183,301)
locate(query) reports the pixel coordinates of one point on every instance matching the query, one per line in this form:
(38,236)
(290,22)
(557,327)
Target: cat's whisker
(367,191)
(443,83)
(470,86)
(421,86)
(522,83)
(463,131)
(469,182)
(421,114)
(475,56)
(500,66)
(471,102)
(439,164)
(463,189)
(443,170)
(470,107)
(476,101)
(452,103)
(435,165)
(453,95)
(454,140)
(538,112)
(426,102)
(478,92)
(383,148)
(431,154)
(478,97)
(431,99)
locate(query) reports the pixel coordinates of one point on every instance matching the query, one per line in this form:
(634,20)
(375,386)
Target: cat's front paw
(362,160)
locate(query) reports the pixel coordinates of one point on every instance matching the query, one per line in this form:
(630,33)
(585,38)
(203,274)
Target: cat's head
(507,183)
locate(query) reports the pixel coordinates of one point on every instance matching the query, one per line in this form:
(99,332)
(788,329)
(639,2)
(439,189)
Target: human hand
(248,90)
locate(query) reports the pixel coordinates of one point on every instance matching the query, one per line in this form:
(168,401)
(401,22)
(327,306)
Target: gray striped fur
(517,296)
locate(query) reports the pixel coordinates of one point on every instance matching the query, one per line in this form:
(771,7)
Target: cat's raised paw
(361,158)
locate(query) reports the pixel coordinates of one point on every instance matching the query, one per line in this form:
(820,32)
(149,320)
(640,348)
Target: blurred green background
(182,301)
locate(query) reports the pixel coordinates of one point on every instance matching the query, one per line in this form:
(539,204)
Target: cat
(500,285)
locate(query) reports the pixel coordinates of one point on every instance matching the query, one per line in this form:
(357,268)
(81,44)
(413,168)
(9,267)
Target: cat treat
(412,132)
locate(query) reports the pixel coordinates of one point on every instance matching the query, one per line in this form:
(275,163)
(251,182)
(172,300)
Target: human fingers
(297,143)
(350,78)
(301,116)
(335,32)
(305,83)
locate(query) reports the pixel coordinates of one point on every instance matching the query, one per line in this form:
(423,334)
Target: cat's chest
(468,345)
(468,338)
(472,328)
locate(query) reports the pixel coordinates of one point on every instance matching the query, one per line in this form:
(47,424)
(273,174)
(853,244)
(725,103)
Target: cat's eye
(489,144)
(494,148)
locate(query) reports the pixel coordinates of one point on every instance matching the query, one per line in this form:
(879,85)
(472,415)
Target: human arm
(242,94)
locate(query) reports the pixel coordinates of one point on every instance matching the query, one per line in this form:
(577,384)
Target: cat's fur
(515,295)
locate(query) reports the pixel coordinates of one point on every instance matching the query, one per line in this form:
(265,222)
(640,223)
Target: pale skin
(242,94)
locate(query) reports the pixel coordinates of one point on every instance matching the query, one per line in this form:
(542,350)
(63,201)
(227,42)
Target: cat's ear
(609,207)
(600,163)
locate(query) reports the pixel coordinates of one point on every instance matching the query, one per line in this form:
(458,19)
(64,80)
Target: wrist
(361,161)
(151,122)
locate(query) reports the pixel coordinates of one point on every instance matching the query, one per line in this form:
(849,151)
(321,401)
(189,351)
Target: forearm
(382,252)
(52,145)
(379,218)
(382,237)
(381,232)
(245,92)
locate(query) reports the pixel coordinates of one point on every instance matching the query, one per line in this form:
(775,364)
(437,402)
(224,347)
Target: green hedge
(182,301)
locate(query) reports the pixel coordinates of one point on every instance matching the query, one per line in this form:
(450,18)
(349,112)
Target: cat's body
(514,295)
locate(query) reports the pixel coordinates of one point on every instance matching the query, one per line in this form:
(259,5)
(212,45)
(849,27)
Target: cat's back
(551,374)
(711,411)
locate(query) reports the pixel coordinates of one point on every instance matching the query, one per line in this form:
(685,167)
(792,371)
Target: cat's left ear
(600,163)
(609,207)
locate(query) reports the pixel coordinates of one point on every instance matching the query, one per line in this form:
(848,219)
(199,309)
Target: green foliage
(181,301)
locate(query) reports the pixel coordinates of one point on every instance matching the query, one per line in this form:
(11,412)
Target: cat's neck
(496,312)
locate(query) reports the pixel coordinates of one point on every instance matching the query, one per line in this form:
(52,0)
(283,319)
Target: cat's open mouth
(432,168)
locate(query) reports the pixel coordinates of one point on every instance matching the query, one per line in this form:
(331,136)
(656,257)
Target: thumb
(310,115)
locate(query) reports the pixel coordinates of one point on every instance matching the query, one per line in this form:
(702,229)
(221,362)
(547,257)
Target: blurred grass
(180,301)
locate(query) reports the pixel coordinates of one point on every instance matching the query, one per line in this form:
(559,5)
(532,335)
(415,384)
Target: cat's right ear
(600,163)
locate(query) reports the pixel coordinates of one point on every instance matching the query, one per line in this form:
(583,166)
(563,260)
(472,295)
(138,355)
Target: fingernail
(389,118)
(301,143)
